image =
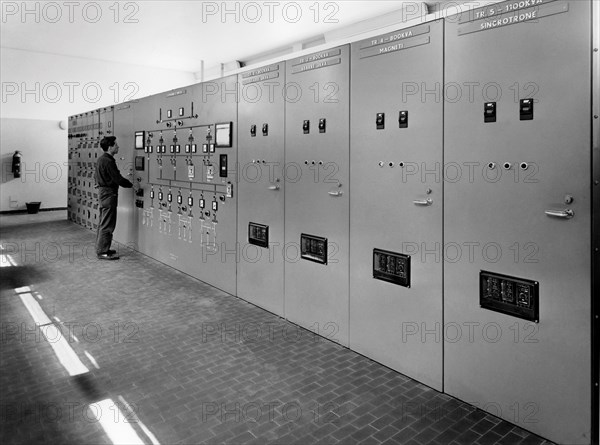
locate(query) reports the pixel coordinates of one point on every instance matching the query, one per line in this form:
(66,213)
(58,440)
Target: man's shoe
(111,252)
(107,256)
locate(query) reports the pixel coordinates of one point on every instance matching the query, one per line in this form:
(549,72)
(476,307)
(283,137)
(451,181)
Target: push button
(403,119)
(380,121)
(306,126)
(489,112)
(322,125)
(526,109)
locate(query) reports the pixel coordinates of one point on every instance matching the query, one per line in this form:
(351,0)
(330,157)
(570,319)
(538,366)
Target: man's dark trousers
(108,199)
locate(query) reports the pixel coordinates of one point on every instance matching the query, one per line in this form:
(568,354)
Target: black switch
(253,130)
(403,119)
(322,125)
(265,129)
(526,109)
(380,121)
(489,112)
(306,126)
(223,166)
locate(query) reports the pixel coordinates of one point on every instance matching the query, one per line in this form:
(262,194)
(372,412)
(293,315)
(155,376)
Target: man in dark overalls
(108,178)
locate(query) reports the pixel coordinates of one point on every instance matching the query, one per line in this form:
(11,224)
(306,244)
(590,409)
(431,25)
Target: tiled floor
(194,365)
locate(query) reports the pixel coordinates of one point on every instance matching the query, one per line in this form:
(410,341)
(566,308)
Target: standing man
(108,179)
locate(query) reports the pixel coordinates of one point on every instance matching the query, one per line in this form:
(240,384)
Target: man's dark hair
(107,142)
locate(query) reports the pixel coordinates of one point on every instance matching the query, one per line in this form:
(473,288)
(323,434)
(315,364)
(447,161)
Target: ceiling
(181,35)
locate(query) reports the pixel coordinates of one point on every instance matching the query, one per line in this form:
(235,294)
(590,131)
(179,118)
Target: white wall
(43,165)
(53,87)
(38,91)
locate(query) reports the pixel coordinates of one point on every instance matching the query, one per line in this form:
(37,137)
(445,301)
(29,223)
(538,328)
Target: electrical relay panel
(509,295)
(313,248)
(258,234)
(391,266)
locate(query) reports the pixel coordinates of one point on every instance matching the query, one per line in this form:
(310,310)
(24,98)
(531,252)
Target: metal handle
(567,213)
(273,187)
(336,193)
(423,202)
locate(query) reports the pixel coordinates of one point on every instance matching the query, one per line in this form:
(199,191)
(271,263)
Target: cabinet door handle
(423,202)
(567,213)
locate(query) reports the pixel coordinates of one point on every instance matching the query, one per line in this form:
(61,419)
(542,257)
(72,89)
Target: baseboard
(49,209)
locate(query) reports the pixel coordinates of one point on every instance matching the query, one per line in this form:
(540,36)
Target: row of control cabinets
(321,231)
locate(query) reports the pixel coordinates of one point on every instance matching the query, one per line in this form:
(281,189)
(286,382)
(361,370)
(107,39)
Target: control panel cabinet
(519,213)
(127,216)
(397,201)
(261,185)
(317,191)
(188,204)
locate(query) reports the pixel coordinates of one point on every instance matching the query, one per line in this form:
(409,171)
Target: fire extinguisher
(16,164)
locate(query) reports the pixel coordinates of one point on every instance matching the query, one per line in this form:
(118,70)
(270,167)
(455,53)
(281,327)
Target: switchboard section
(522,216)
(262,186)
(396,200)
(186,139)
(317,172)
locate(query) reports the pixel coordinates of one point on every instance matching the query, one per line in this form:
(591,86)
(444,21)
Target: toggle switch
(526,109)
(265,129)
(253,130)
(403,119)
(380,121)
(306,126)
(201,203)
(322,125)
(489,112)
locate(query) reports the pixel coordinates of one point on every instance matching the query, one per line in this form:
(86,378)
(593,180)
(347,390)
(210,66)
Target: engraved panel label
(318,56)
(499,8)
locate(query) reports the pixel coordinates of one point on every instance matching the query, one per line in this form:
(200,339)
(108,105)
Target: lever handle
(423,202)
(273,187)
(567,213)
(335,193)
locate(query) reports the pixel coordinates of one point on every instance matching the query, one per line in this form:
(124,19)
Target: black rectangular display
(258,234)
(139,163)
(313,248)
(509,295)
(223,166)
(140,139)
(393,267)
